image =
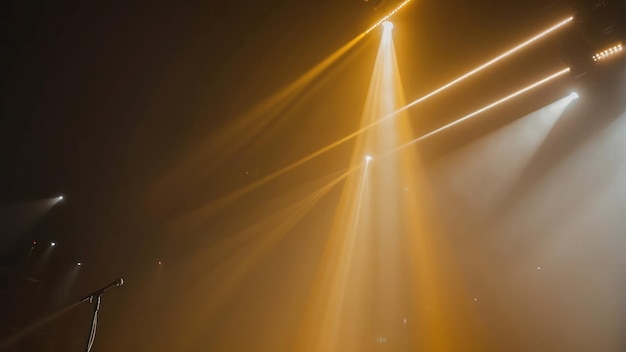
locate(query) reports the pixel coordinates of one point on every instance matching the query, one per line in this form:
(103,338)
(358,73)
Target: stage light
(60,197)
(492,105)
(387,25)
(79,264)
(573,96)
(52,244)
(368,158)
(608,52)
(384,19)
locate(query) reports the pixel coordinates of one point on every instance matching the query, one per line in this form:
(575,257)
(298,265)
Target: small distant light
(538,268)
(60,198)
(368,158)
(387,25)
(52,244)
(79,264)
(34,243)
(475,299)
(574,95)
(160,262)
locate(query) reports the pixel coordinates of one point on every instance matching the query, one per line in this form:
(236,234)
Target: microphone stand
(96,298)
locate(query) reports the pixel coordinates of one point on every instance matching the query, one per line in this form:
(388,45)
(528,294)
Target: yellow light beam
(429,95)
(233,259)
(227,141)
(483,109)
(489,63)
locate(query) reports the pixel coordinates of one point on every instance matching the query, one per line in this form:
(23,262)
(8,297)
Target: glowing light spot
(573,96)
(368,158)
(387,25)
(52,244)
(79,264)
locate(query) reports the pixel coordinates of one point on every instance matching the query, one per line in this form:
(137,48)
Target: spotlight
(368,158)
(387,25)
(52,244)
(79,264)
(573,96)
(60,198)
(384,19)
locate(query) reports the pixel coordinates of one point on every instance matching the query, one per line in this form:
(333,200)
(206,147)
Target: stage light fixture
(53,244)
(387,25)
(79,264)
(608,52)
(368,158)
(573,96)
(384,19)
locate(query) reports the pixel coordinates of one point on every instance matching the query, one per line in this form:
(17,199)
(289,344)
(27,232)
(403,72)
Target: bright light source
(79,264)
(384,19)
(160,262)
(387,25)
(52,244)
(60,197)
(368,158)
(492,105)
(573,96)
(608,52)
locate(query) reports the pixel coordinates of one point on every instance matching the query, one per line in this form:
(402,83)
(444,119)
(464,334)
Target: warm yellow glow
(367,279)
(492,105)
(251,123)
(384,19)
(608,52)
